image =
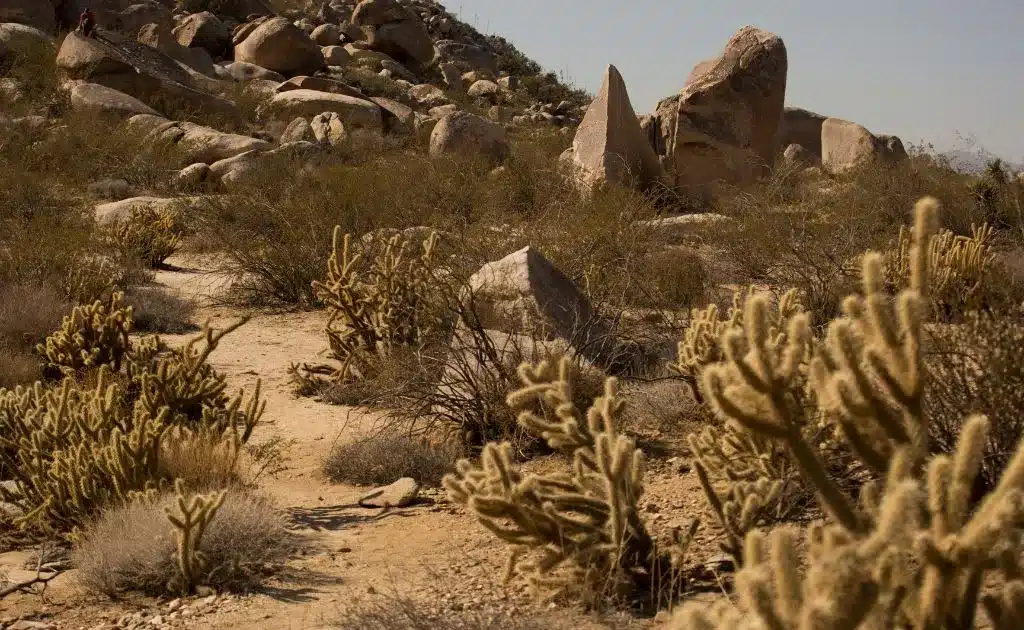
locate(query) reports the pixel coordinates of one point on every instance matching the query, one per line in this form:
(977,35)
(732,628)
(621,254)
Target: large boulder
(802,127)
(525,294)
(17,36)
(355,112)
(326,35)
(196,143)
(466,133)
(38,14)
(205,30)
(136,16)
(406,41)
(727,117)
(377,12)
(161,38)
(609,146)
(137,70)
(277,44)
(92,97)
(236,9)
(846,145)
(320,84)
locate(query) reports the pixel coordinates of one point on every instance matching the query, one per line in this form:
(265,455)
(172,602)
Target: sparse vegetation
(132,547)
(382,458)
(851,416)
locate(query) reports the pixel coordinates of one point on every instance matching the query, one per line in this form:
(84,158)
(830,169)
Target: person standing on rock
(87,23)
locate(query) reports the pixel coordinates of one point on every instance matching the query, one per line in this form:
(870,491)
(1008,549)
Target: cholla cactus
(93,441)
(374,308)
(147,235)
(747,477)
(93,335)
(71,451)
(575,529)
(958,267)
(193,517)
(911,553)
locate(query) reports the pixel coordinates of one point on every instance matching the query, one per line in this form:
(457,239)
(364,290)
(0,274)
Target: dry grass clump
(403,613)
(27,315)
(132,547)
(156,310)
(387,456)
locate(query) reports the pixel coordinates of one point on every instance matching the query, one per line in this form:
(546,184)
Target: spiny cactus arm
(193,517)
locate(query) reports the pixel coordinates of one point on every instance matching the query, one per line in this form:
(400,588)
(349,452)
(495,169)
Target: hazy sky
(920,69)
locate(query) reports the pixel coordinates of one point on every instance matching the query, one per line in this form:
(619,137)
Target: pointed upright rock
(610,146)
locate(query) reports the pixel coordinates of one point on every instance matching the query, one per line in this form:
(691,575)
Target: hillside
(345,315)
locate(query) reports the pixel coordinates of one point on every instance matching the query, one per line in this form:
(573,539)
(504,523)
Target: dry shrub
(676,279)
(975,368)
(27,315)
(132,547)
(402,613)
(203,461)
(382,458)
(156,310)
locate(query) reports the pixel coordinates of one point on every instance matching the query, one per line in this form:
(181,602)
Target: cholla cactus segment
(920,565)
(71,451)
(957,267)
(91,336)
(570,529)
(193,516)
(376,305)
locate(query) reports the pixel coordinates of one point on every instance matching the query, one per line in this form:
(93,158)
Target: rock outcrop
(139,71)
(610,146)
(724,125)
(466,133)
(802,127)
(846,145)
(278,45)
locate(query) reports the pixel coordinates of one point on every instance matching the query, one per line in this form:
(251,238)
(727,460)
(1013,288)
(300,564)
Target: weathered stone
(463,132)
(243,71)
(326,35)
(328,129)
(802,127)
(452,76)
(92,97)
(298,130)
(336,55)
(161,38)
(797,154)
(406,41)
(428,95)
(278,45)
(205,30)
(190,177)
(320,84)
(609,146)
(846,145)
(397,495)
(145,73)
(727,121)
(398,118)
(116,211)
(484,89)
(525,294)
(22,36)
(355,112)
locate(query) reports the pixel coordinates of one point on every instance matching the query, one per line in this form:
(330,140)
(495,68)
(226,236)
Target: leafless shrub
(132,547)
(384,457)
